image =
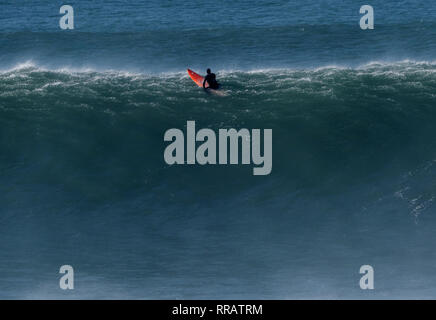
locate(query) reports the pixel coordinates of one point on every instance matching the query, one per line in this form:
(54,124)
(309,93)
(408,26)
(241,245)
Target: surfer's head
(208,71)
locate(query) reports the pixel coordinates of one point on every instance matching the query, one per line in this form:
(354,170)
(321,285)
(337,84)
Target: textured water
(83,180)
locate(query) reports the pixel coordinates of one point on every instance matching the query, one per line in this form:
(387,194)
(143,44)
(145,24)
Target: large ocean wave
(84,178)
(331,125)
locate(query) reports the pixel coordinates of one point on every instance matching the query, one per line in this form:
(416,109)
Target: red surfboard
(197,79)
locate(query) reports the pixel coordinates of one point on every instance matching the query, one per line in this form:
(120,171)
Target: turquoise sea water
(83,181)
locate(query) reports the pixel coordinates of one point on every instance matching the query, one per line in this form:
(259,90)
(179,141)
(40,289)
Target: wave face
(84,183)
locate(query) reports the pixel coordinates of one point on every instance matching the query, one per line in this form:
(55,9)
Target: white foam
(181,73)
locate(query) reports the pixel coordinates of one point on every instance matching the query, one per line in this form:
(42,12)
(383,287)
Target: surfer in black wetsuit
(211,80)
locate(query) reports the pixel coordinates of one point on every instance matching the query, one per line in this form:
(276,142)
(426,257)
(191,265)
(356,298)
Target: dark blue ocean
(83,181)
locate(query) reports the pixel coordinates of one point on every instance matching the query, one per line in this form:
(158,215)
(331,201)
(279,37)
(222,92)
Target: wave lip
(406,64)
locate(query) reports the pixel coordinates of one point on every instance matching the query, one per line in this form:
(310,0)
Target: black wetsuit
(211,79)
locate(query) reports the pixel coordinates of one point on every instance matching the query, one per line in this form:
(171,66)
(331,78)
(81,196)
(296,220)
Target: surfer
(211,80)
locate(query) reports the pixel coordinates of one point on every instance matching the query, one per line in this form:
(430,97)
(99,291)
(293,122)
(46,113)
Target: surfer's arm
(204,83)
